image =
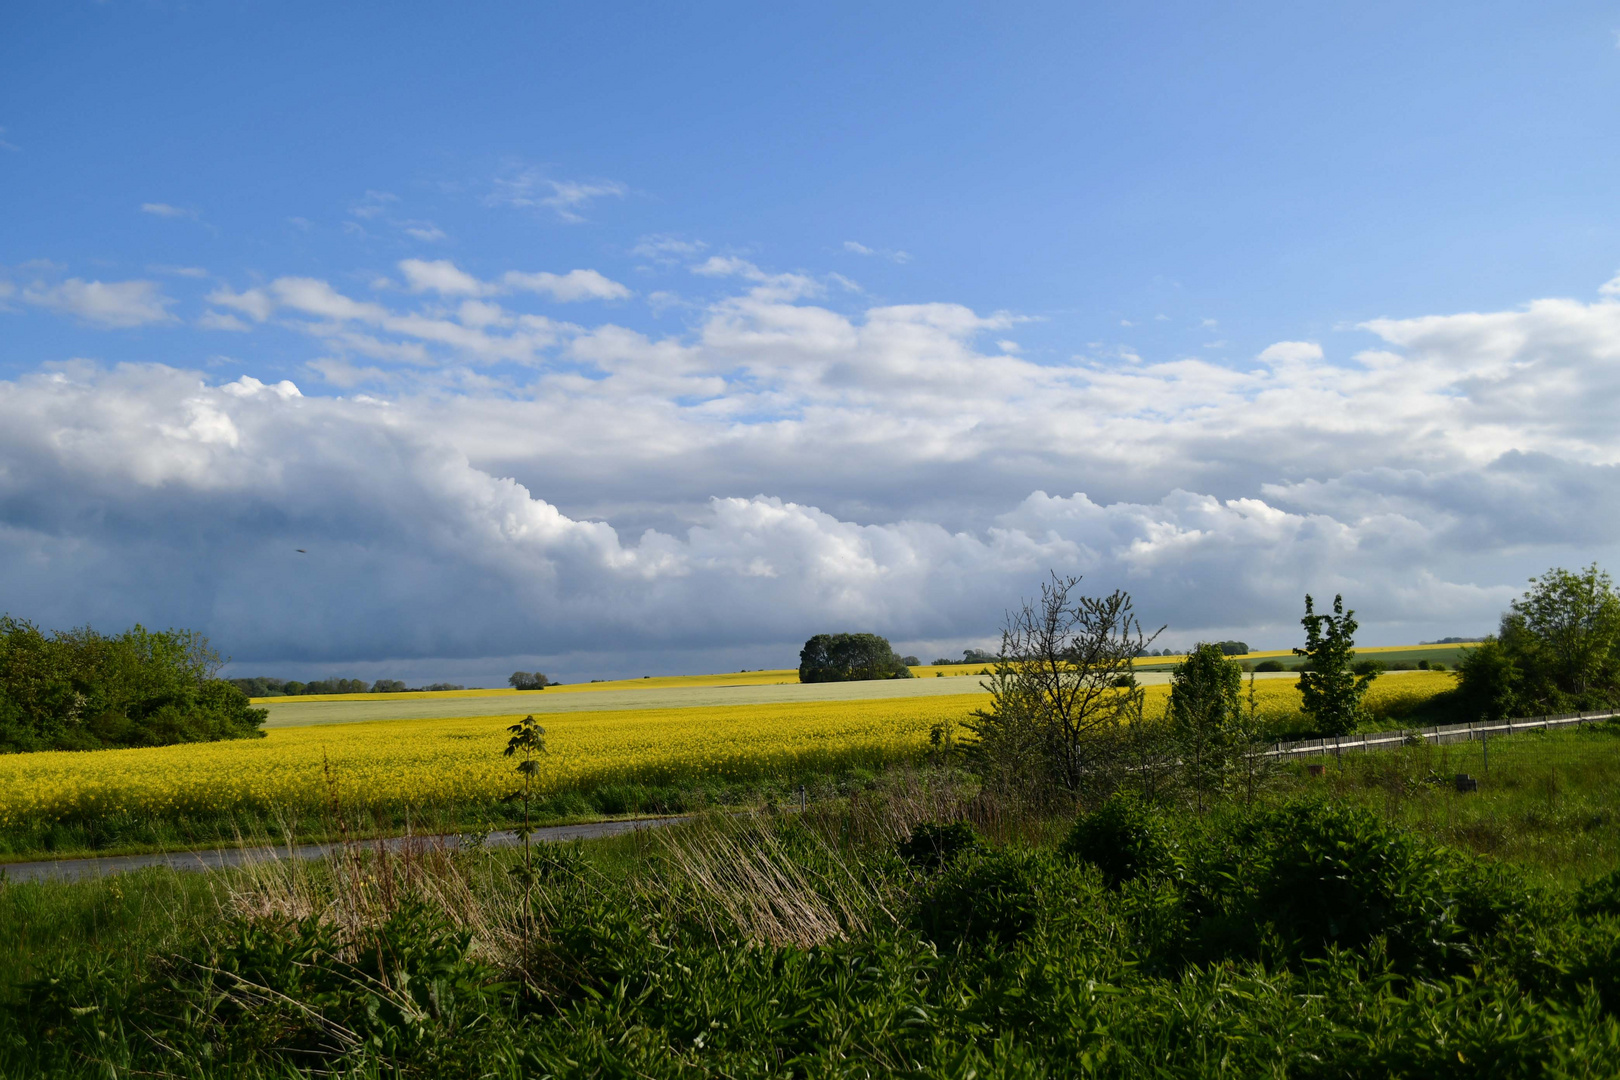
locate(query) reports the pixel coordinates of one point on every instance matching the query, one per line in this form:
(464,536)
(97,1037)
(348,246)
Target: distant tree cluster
(528,680)
(261,686)
(969,656)
(1557,650)
(1227,648)
(81,690)
(850,658)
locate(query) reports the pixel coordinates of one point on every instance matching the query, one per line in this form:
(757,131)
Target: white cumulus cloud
(780,467)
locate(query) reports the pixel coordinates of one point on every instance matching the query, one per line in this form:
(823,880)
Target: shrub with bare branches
(1060,692)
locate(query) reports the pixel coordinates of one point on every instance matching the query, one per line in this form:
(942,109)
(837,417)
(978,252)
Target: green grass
(133,834)
(129,917)
(1547,801)
(1369,922)
(1304,939)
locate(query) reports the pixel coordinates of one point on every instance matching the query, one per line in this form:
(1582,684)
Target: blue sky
(842,303)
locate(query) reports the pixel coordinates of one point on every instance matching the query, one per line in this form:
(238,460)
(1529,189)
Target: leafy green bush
(1600,897)
(993,897)
(291,991)
(1271,665)
(1125,839)
(1336,876)
(80,690)
(932,846)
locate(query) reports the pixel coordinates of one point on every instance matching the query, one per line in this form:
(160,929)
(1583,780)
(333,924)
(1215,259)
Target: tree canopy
(1557,650)
(528,680)
(81,690)
(849,658)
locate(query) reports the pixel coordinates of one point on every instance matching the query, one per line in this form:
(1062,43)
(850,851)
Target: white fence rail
(1448,733)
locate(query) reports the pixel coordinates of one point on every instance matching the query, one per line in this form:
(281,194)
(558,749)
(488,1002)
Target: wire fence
(1338,745)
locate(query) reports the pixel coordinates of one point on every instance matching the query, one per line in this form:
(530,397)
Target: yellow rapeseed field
(436,763)
(439,762)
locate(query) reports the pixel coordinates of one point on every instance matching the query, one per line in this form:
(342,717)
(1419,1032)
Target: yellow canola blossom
(425,763)
(441,762)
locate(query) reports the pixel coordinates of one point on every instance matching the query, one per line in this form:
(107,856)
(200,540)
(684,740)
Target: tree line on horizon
(261,686)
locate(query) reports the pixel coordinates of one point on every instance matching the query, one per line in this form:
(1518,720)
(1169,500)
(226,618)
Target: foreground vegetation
(924,925)
(1071,873)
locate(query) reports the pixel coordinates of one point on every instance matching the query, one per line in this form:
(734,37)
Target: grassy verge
(916,927)
(1549,801)
(144,833)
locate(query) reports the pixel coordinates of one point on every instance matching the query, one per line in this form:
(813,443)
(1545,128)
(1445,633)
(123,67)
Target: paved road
(221,858)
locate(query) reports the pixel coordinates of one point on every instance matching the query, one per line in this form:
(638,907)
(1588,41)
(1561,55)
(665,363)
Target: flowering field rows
(444,762)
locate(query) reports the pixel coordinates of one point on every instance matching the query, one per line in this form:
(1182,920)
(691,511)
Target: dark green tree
(849,658)
(1562,636)
(1488,683)
(1331,689)
(81,690)
(1558,650)
(528,680)
(1205,713)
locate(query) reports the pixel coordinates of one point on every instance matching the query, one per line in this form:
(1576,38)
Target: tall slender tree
(529,740)
(1204,709)
(1332,691)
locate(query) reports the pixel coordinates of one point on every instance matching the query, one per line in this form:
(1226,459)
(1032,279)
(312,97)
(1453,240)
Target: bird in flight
(301,551)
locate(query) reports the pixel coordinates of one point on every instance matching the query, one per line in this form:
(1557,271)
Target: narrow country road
(222,858)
